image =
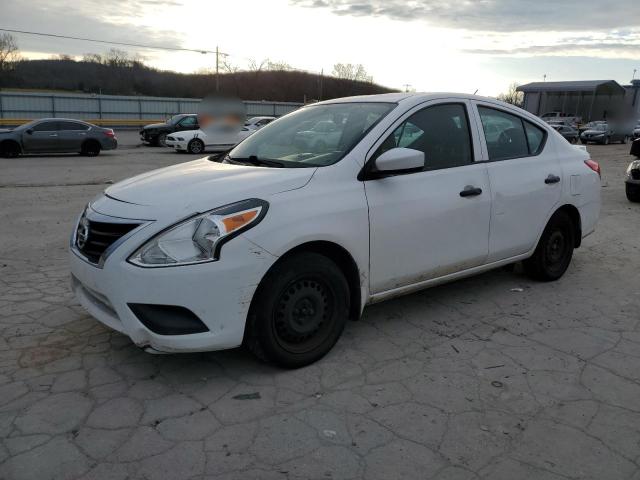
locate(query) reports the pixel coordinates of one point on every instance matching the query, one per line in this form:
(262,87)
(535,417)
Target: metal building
(588,99)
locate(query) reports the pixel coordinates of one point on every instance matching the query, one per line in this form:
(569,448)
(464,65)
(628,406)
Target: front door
(526,181)
(434,222)
(41,138)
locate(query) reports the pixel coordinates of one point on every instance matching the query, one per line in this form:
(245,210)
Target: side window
(188,122)
(535,137)
(66,125)
(440,131)
(509,136)
(46,127)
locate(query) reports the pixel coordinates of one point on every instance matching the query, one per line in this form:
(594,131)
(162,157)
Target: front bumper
(219,293)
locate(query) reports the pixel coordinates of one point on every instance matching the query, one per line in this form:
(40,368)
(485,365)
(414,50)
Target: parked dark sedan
(156,133)
(604,134)
(635,148)
(569,133)
(57,135)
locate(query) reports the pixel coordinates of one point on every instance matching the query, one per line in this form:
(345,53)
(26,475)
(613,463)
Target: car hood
(202,185)
(5,130)
(154,125)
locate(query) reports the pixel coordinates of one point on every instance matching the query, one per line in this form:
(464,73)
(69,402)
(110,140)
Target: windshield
(600,127)
(175,119)
(314,136)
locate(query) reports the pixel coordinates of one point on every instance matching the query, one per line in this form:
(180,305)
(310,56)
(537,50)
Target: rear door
(525,176)
(434,222)
(41,138)
(71,135)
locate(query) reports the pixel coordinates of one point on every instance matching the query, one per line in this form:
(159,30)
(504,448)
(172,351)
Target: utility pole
(320,84)
(218,53)
(544,77)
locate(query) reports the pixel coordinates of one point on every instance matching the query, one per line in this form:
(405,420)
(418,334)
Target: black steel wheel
(632,192)
(161,140)
(553,254)
(299,311)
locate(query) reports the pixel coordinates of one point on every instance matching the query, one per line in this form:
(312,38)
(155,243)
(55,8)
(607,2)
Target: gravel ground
(493,377)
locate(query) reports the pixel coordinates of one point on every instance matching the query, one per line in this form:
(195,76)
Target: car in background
(275,246)
(635,148)
(632,180)
(569,133)
(215,138)
(590,126)
(604,134)
(256,123)
(156,133)
(324,134)
(57,135)
(636,131)
(563,117)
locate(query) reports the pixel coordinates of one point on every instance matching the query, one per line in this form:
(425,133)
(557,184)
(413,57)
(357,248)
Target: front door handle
(551,179)
(470,191)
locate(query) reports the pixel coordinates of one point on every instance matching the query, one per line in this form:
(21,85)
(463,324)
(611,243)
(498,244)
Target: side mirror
(400,160)
(29,131)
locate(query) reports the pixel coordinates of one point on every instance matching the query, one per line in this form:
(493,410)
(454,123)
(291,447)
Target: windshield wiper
(259,162)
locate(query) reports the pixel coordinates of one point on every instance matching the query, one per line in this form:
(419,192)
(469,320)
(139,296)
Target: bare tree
(257,66)
(92,58)
(9,53)
(512,95)
(350,71)
(278,66)
(117,58)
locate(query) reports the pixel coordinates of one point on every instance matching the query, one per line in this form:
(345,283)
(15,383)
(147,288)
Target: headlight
(635,165)
(200,238)
(180,139)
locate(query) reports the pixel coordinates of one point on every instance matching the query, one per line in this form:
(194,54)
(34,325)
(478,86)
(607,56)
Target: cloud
(116,20)
(617,50)
(494,15)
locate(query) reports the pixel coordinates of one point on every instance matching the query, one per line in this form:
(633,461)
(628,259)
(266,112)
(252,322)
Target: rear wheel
(633,192)
(554,251)
(195,146)
(299,311)
(90,148)
(9,149)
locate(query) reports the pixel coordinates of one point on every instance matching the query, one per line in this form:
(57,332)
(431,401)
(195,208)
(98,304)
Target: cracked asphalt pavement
(493,377)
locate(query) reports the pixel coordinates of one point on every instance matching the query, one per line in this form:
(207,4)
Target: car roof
(413,97)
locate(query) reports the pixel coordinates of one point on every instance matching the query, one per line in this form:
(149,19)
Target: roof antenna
(476,91)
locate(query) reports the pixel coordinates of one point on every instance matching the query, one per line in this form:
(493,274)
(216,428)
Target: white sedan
(275,246)
(213,139)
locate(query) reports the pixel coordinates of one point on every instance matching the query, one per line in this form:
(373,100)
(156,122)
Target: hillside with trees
(119,74)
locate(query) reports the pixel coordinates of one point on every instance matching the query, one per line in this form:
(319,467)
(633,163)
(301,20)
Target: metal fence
(112,109)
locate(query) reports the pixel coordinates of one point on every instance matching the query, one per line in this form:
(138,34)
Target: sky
(432,45)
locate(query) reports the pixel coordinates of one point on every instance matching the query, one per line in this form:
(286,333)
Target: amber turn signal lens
(239,220)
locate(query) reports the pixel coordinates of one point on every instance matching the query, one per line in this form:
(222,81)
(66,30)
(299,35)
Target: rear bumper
(109,144)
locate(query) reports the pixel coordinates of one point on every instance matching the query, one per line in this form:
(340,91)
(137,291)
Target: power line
(139,45)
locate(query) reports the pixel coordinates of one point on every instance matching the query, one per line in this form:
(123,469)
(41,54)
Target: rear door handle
(551,179)
(470,191)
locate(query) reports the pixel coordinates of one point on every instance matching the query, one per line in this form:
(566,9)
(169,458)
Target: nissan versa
(282,240)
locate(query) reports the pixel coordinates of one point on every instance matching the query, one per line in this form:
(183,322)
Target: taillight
(110,133)
(593,165)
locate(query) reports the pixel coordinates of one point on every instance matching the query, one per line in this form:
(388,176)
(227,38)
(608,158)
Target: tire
(9,149)
(90,148)
(554,250)
(633,192)
(298,312)
(195,146)
(161,140)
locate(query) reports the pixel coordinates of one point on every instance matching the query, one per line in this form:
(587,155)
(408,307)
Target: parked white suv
(277,245)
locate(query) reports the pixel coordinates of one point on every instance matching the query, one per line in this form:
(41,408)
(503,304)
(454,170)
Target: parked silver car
(57,135)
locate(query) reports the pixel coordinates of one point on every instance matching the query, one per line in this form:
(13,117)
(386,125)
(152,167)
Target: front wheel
(161,140)
(195,146)
(554,251)
(299,311)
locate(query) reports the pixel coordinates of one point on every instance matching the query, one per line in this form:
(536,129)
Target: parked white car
(276,245)
(255,123)
(212,139)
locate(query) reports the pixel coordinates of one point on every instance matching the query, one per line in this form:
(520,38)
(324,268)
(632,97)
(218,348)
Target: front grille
(635,174)
(93,238)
